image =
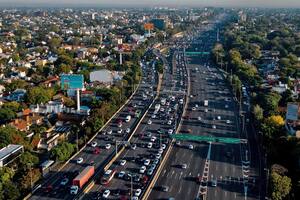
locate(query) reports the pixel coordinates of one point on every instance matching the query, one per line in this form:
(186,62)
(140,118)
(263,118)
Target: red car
(96,150)
(48,189)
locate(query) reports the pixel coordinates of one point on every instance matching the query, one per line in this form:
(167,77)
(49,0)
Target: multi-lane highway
(104,142)
(137,164)
(197,169)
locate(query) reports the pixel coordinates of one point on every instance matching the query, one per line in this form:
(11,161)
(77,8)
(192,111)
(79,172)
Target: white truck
(156,109)
(205,102)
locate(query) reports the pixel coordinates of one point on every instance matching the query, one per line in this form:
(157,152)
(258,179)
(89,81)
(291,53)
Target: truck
(82,178)
(205,102)
(128,118)
(156,109)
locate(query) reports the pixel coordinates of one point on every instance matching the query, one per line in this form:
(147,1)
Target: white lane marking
(235,195)
(164,172)
(225,194)
(215,193)
(180,175)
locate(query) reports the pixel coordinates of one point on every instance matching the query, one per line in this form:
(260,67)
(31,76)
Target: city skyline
(136,3)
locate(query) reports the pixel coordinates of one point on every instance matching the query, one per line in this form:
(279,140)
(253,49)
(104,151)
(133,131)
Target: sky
(140,3)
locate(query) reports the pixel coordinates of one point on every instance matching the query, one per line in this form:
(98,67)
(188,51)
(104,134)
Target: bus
(108,176)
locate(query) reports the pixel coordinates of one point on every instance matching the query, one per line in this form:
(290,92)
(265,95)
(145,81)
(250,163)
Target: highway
(151,130)
(109,135)
(185,166)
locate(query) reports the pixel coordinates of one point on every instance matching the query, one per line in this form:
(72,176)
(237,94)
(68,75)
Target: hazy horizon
(141,3)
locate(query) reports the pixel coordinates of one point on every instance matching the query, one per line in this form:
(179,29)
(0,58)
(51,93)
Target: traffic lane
(74,167)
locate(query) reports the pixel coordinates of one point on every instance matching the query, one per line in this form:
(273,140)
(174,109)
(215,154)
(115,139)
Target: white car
(169,122)
(153,116)
(170,131)
(163,146)
(142,169)
(107,146)
(94,144)
(149,122)
(191,146)
(227,121)
(128,130)
(149,145)
(219,117)
(226,106)
(122,162)
(214,126)
(109,132)
(74,189)
(196,105)
(206,110)
(138,192)
(106,193)
(147,162)
(194,108)
(199,118)
(120,131)
(79,160)
(153,138)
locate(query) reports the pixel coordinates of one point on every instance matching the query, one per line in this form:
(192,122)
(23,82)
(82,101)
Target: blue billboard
(71,81)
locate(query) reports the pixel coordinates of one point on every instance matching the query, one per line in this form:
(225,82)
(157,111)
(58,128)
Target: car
(160,150)
(214,183)
(142,169)
(214,126)
(120,131)
(170,131)
(149,122)
(158,155)
(206,110)
(219,117)
(163,146)
(138,192)
(226,106)
(169,122)
(196,105)
(227,121)
(199,118)
(147,162)
(127,130)
(156,161)
(79,160)
(191,146)
(149,145)
(178,143)
(194,108)
(165,188)
(133,146)
(122,162)
(121,174)
(74,189)
(106,194)
(94,144)
(48,189)
(107,146)
(150,172)
(153,116)
(183,166)
(96,150)
(153,138)
(109,132)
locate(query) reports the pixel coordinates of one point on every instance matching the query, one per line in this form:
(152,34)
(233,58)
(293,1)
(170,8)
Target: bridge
(200,138)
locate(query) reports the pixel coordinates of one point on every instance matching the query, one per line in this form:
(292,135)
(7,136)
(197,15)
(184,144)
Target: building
(105,76)
(10,153)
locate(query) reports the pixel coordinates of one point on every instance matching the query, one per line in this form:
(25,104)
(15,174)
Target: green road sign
(208,138)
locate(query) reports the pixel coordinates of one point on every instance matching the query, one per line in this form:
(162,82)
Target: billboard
(292,111)
(71,81)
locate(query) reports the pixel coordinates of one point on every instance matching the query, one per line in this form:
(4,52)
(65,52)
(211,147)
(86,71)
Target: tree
(269,102)
(258,112)
(280,186)
(11,191)
(38,95)
(28,160)
(63,151)
(275,120)
(6,114)
(29,178)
